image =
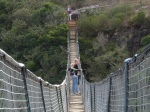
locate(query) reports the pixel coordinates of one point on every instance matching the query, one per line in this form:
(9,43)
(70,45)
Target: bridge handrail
(22,90)
(119,91)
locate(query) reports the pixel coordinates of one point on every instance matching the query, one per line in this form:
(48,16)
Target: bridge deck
(75,101)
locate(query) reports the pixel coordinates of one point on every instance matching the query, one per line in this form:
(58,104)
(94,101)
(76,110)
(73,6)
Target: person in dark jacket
(76,67)
(74,78)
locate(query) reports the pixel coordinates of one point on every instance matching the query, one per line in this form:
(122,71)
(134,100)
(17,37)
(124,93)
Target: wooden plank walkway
(75,101)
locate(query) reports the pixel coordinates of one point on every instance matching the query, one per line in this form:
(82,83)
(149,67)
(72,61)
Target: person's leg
(70,16)
(76,84)
(73,84)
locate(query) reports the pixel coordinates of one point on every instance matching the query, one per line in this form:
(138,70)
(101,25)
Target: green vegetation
(99,22)
(145,40)
(107,51)
(35,33)
(139,18)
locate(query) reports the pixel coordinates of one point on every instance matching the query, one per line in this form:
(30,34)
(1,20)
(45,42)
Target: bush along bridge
(126,90)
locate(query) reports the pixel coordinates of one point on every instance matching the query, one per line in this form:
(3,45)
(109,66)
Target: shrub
(145,40)
(119,15)
(111,47)
(120,9)
(102,22)
(115,23)
(139,18)
(87,26)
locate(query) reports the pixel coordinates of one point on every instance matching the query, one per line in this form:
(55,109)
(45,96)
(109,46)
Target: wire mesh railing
(22,91)
(139,83)
(127,90)
(12,92)
(119,92)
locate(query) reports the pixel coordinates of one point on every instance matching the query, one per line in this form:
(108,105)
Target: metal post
(23,71)
(94,97)
(92,89)
(58,99)
(84,92)
(67,102)
(109,93)
(126,84)
(50,99)
(41,86)
(91,97)
(61,103)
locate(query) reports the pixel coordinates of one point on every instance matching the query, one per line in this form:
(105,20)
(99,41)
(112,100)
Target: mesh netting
(22,91)
(128,89)
(12,94)
(101,96)
(87,97)
(139,86)
(117,93)
(34,92)
(46,92)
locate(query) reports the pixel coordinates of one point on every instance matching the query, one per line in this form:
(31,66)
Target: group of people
(74,75)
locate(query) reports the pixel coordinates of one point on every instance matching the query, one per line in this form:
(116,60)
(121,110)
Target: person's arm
(76,69)
(69,69)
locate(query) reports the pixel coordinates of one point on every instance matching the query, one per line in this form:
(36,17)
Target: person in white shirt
(69,12)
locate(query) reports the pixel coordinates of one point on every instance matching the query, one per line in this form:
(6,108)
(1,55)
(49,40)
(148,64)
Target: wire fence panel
(12,95)
(98,101)
(54,99)
(139,85)
(22,91)
(59,97)
(46,92)
(64,97)
(34,91)
(117,92)
(102,93)
(82,87)
(127,90)
(87,97)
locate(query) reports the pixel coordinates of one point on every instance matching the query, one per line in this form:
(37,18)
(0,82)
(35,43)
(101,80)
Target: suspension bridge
(126,90)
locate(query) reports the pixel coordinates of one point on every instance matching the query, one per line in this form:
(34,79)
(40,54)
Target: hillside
(107,38)
(35,33)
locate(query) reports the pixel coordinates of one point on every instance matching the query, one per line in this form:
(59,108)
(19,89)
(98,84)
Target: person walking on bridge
(69,10)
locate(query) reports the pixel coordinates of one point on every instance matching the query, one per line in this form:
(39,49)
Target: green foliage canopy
(35,35)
